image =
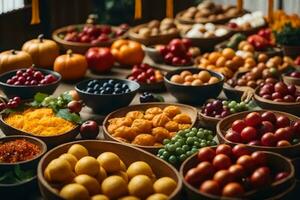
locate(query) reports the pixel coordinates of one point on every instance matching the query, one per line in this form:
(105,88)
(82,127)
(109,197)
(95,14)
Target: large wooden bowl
(151,40)
(289,151)
(293,107)
(275,191)
(191,111)
(127,154)
(51,141)
(290,80)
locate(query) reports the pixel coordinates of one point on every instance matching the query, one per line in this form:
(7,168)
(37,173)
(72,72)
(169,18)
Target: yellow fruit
(123,166)
(89,182)
(109,161)
(70,158)
(74,191)
(99,197)
(139,168)
(129,198)
(157,196)
(101,175)
(122,174)
(228,53)
(204,76)
(87,165)
(58,170)
(213,80)
(213,57)
(164,185)
(114,187)
(78,151)
(140,186)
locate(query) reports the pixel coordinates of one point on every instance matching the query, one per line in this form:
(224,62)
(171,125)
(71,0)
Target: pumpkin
(127,52)
(12,59)
(71,66)
(42,51)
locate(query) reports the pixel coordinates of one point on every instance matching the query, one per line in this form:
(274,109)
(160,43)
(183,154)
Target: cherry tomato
(224,149)
(210,187)
(281,175)
(237,171)
(248,134)
(260,177)
(253,119)
(206,169)
(238,125)
(240,150)
(282,121)
(254,143)
(247,162)
(221,161)
(223,177)
(283,133)
(233,189)
(206,154)
(266,126)
(268,139)
(283,143)
(259,158)
(296,128)
(233,136)
(194,177)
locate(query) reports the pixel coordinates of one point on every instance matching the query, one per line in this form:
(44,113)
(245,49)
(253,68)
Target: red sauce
(18,150)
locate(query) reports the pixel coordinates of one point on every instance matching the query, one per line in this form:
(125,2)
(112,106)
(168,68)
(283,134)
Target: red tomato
(210,187)
(223,177)
(281,88)
(247,162)
(240,150)
(282,121)
(233,189)
(283,143)
(281,175)
(268,139)
(266,126)
(237,171)
(248,134)
(194,176)
(238,125)
(221,161)
(206,154)
(261,177)
(224,149)
(283,133)
(254,143)
(253,119)
(259,158)
(296,127)
(206,169)
(233,136)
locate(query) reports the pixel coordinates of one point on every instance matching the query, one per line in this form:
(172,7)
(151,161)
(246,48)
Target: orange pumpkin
(71,66)
(12,59)
(127,52)
(42,51)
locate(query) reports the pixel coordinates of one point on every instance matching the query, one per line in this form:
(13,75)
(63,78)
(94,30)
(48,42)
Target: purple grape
(217,104)
(225,113)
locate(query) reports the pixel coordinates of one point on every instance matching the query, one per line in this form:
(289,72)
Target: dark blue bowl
(27,91)
(106,103)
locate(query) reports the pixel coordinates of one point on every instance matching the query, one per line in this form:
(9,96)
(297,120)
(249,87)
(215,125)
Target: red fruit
(17,99)
(237,171)
(247,162)
(282,121)
(142,77)
(163,50)
(259,158)
(254,143)
(99,59)
(150,72)
(89,130)
(233,189)
(38,75)
(186,42)
(276,95)
(152,79)
(168,58)
(295,74)
(292,89)
(223,177)
(253,119)
(240,150)
(210,187)
(233,136)
(224,149)
(136,71)
(221,161)
(85,39)
(261,177)
(238,125)
(206,154)
(74,106)
(232,25)
(288,98)
(206,169)
(283,143)
(194,177)
(296,127)
(281,88)
(283,133)
(106,29)
(103,38)
(268,139)
(265,127)
(176,61)
(145,66)
(175,41)
(281,175)
(248,134)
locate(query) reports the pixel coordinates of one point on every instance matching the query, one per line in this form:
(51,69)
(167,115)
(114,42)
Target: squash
(12,59)
(71,66)
(42,51)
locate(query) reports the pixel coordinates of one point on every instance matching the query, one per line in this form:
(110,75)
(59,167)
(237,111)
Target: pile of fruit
(264,129)
(145,73)
(30,77)
(184,144)
(247,21)
(208,30)
(197,79)
(94,34)
(221,109)
(279,92)
(262,40)
(11,104)
(295,74)
(177,52)
(231,172)
(105,177)
(107,87)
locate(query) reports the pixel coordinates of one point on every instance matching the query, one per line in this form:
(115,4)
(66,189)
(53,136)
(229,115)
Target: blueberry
(102,92)
(96,92)
(111,81)
(118,85)
(124,86)
(127,90)
(90,84)
(97,87)
(108,89)
(118,90)
(89,90)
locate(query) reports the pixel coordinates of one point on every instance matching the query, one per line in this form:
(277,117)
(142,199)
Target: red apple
(99,59)
(89,130)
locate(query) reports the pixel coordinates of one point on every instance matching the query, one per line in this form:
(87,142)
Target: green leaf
(22,175)
(67,115)
(39,97)
(159,97)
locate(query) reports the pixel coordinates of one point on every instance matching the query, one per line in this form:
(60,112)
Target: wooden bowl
(207,121)
(292,108)
(127,154)
(191,111)
(151,40)
(290,80)
(51,141)
(224,125)
(232,93)
(153,54)
(278,162)
(152,87)
(77,47)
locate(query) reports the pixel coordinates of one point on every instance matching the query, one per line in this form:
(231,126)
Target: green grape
(200,134)
(182,157)
(210,137)
(161,151)
(166,141)
(166,155)
(190,140)
(171,147)
(232,110)
(172,159)
(185,148)
(179,151)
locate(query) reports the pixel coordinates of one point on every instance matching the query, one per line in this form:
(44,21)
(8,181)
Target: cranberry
(19,73)
(10,81)
(38,75)
(17,99)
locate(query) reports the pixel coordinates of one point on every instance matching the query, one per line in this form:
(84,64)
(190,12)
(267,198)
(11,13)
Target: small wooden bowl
(232,93)
(127,153)
(51,141)
(191,111)
(292,108)
(153,54)
(207,121)
(290,80)
(224,125)
(151,40)
(278,162)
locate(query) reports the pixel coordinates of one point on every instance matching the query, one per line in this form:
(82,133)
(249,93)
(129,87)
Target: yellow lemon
(74,191)
(139,168)
(164,185)
(87,165)
(89,182)
(101,175)
(122,174)
(58,170)
(114,187)
(78,151)
(109,161)
(70,158)
(140,186)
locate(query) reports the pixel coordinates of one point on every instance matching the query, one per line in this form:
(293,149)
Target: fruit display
(12,59)
(208,11)
(11,103)
(232,172)
(247,21)
(145,74)
(279,92)
(207,30)
(177,52)
(104,176)
(147,97)
(197,79)
(281,18)
(106,87)
(220,109)
(31,77)
(99,59)
(264,129)
(185,143)
(149,127)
